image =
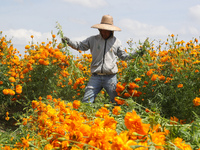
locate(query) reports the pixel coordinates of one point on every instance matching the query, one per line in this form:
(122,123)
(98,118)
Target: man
(105,49)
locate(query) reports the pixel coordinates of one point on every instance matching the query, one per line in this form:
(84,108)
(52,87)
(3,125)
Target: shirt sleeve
(123,55)
(80,45)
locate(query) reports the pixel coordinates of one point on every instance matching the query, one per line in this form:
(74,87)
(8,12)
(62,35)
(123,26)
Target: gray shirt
(104,53)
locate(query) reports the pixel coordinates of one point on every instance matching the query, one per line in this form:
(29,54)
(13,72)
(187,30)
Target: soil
(10,124)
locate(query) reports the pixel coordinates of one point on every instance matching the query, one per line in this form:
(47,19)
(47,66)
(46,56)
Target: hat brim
(106,27)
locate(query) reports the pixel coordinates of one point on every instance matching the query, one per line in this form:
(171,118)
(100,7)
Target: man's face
(105,33)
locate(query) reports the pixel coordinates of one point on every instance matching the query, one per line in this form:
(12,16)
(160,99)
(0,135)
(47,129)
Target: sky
(138,19)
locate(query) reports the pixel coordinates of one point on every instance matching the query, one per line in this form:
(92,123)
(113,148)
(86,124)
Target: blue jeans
(95,85)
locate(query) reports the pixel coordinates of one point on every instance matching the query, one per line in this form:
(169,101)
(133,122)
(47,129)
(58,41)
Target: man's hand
(65,39)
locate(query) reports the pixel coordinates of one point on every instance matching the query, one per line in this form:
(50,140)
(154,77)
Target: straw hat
(106,24)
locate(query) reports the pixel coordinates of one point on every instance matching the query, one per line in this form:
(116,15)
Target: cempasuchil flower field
(158,98)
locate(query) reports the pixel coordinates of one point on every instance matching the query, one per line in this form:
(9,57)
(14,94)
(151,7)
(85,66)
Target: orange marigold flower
(134,123)
(137,79)
(161,78)
(24,121)
(1,82)
(196,101)
(76,104)
(119,101)
(70,82)
(7,118)
(54,36)
(174,120)
(149,72)
(132,85)
(11,92)
(146,82)
(18,89)
(116,110)
(120,87)
(27,47)
(180,86)
(154,77)
(49,97)
(102,112)
(34,104)
(5,91)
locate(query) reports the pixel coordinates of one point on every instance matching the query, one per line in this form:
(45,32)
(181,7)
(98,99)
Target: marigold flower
(54,36)
(116,110)
(134,123)
(27,47)
(12,79)
(154,77)
(34,104)
(181,144)
(102,112)
(146,82)
(196,101)
(11,92)
(180,86)
(149,72)
(5,91)
(18,89)
(137,79)
(76,104)
(7,118)
(174,120)
(1,82)
(48,147)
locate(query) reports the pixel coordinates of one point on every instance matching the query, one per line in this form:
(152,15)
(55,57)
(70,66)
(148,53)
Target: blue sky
(138,19)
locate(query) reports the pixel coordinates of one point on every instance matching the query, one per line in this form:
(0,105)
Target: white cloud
(144,30)
(88,3)
(22,37)
(190,30)
(194,12)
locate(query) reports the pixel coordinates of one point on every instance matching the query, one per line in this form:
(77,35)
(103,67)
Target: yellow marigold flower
(181,144)
(12,79)
(48,147)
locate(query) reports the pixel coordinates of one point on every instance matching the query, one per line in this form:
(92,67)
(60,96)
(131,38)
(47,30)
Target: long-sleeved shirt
(104,53)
